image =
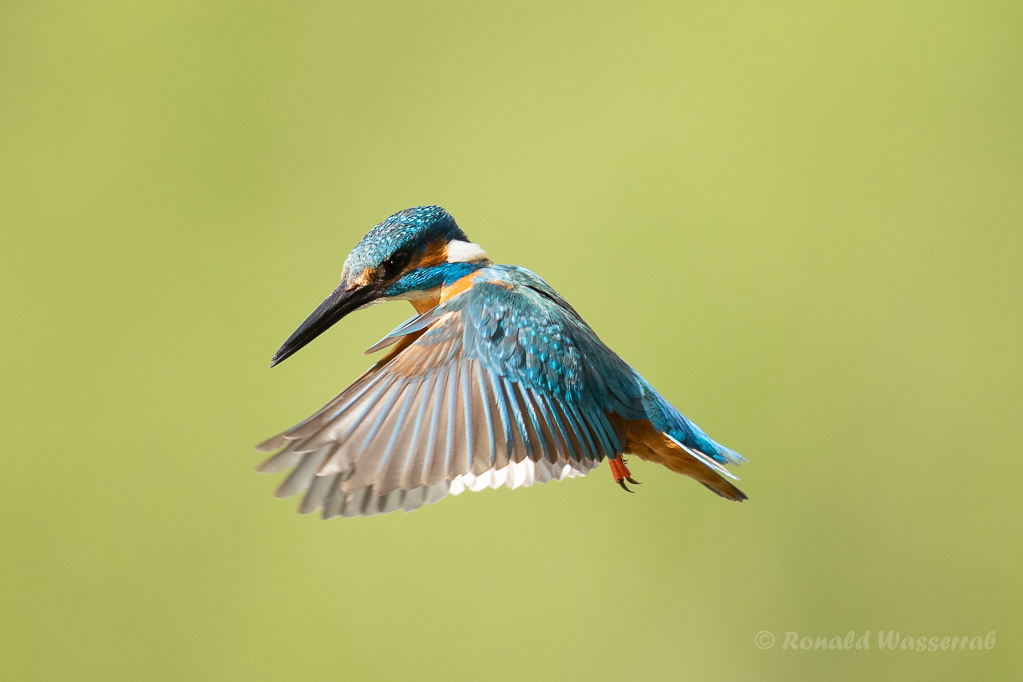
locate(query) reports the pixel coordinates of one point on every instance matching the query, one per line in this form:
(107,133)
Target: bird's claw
(621,473)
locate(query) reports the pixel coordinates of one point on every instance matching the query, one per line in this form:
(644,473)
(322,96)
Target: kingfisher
(495,381)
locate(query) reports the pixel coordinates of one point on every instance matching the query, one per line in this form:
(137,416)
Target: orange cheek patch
(434,254)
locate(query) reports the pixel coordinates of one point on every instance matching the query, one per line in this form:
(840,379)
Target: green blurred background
(802,221)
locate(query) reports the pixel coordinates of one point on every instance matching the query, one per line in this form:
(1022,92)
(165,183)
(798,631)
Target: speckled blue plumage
(410,229)
(429,278)
(519,327)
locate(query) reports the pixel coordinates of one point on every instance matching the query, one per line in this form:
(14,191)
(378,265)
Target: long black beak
(344,300)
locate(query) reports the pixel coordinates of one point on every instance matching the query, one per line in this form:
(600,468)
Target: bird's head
(411,255)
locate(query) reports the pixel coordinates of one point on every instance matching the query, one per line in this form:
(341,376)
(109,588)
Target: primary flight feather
(495,381)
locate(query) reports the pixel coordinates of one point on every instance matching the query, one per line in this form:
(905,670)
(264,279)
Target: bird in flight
(496,380)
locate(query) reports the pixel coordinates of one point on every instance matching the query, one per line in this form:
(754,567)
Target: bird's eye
(396,263)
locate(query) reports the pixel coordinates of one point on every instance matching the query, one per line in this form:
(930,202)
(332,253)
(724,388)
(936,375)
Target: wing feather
(335,497)
(386,476)
(285,459)
(511,394)
(317,493)
(600,430)
(574,430)
(450,466)
(431,452)
(300,478)
(536,434)
(489,461)
(555,418)
(500,400)
(470,397)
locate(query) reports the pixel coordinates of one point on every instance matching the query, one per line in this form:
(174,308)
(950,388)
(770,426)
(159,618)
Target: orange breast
(428,300)
(457,287)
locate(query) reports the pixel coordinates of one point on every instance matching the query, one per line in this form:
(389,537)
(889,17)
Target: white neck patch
(464,252)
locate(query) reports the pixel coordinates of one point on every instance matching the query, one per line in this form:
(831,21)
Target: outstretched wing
(487,389)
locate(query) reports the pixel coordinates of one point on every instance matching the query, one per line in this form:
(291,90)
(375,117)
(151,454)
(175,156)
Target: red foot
(621,473)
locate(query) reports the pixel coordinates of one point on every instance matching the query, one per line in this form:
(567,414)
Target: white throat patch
(464,252)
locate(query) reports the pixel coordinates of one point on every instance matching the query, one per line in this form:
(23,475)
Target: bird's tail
(649,443)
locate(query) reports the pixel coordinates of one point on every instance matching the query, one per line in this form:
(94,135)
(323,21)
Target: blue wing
(487,389)
(502,384)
